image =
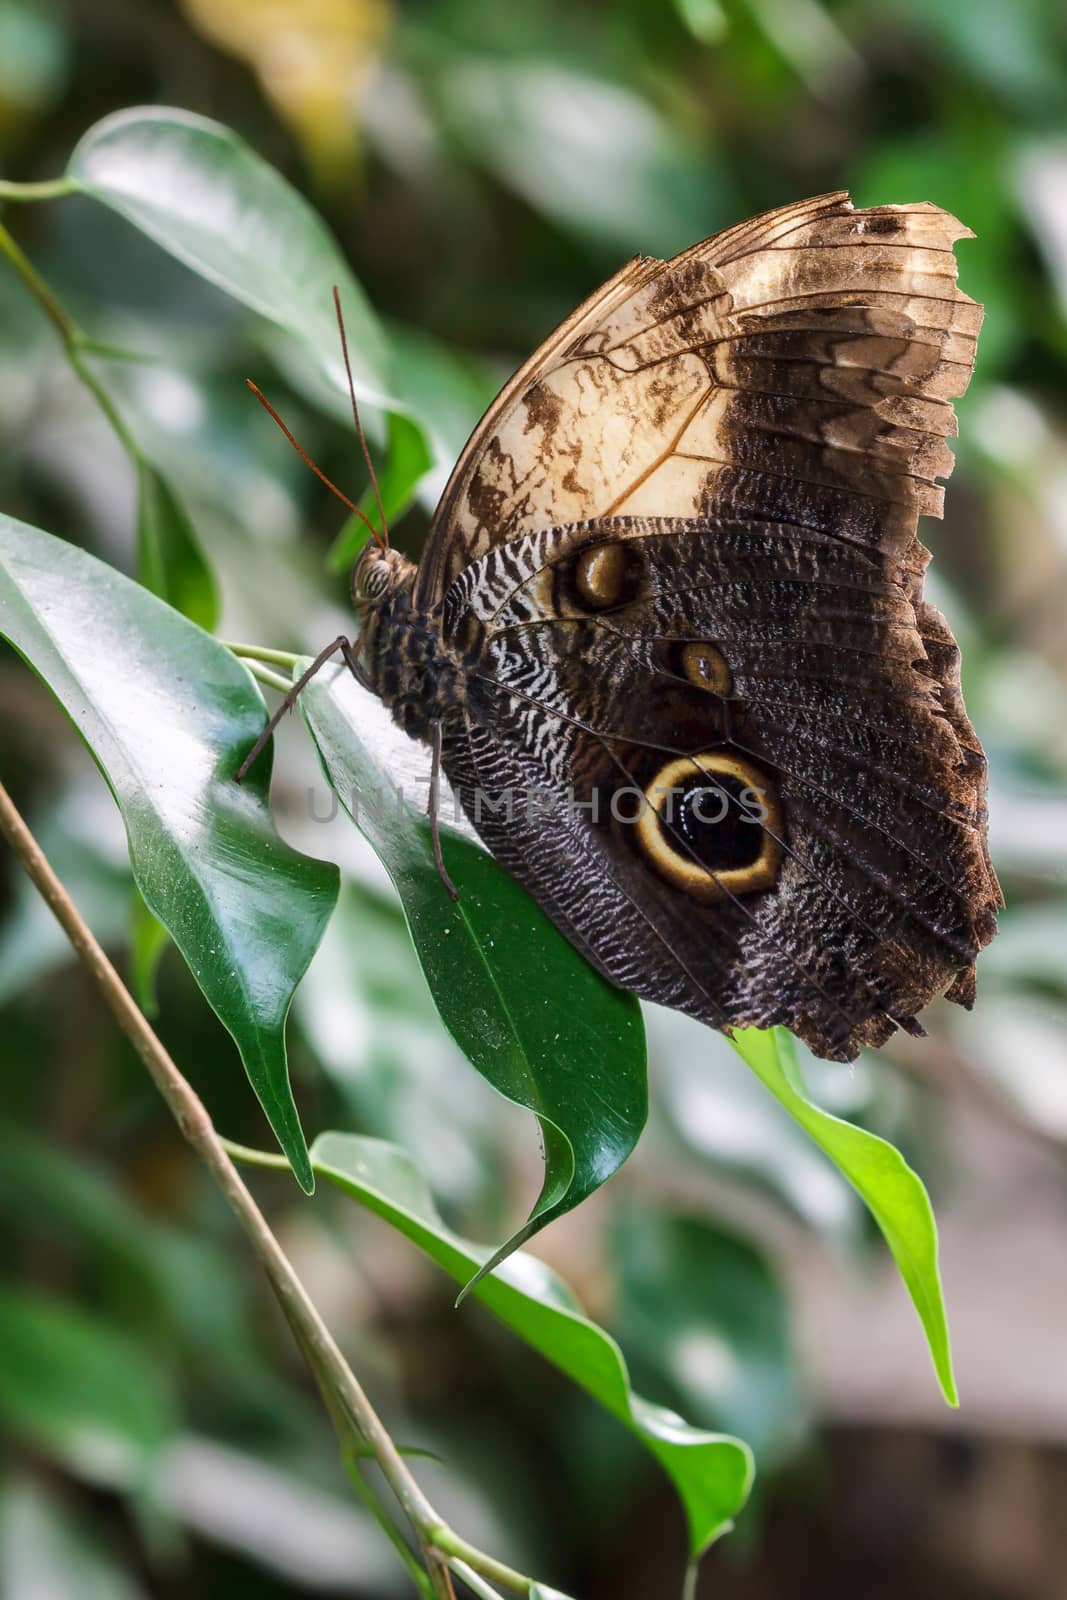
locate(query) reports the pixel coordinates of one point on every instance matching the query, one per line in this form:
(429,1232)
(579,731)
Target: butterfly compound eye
(370,580)
(711,826)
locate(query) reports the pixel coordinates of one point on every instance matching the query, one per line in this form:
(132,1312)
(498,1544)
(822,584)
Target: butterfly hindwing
(828,878)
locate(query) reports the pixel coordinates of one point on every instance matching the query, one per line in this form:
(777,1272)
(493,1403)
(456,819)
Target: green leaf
(78,1388)
(168,714)
(708,1315)
(365,1010)
(170,561)
(530,1014)
(712,1473)
(893,1193)
(148,940)
(408,460)
(197,189)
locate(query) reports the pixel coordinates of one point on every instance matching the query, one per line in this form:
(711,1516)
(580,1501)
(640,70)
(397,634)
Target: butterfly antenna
(355,414)
(302,453)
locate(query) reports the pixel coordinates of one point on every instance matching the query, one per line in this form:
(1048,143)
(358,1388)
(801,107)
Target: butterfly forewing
(798,368)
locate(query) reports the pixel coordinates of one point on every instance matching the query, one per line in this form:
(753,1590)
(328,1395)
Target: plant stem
(117,352)
(476,1585)
(348,1440)
(451,1543)
(262,674)
(254,1158)
(50,189)
(327,1363)
(74,342)
(260,652)
(192,1118)
(361,1488)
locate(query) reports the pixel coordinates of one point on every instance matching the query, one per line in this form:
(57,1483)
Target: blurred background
(484,167)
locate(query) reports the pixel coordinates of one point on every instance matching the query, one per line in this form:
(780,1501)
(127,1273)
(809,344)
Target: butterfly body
(404,658)
(670,627)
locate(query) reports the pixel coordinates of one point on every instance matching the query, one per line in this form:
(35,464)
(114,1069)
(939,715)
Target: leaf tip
(472,1283)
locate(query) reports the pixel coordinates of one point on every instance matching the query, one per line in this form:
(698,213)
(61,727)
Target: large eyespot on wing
(799,367)
(711,825)
(704,654)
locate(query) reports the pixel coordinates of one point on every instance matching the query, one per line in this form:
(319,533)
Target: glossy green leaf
(711,1472)
(530,1014)
(197,189)
(78,1388)
(408,460)
(366,1011)
(168,714)
(170,561)
(893,1193)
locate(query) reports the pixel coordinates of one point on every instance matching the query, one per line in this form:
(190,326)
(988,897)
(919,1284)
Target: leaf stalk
(75,343)
(48,189)
(262,652)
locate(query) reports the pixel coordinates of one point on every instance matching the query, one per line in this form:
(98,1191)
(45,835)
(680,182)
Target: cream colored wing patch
(799,367)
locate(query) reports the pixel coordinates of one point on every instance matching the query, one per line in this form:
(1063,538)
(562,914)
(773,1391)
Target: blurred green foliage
(483,167)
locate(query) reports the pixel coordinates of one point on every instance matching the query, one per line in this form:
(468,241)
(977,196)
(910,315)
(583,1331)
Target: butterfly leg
(290,701)
(432,806)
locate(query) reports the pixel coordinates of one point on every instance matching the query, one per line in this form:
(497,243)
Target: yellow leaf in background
(314,59)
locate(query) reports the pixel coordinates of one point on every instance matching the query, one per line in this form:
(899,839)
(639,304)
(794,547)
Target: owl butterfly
(669,639)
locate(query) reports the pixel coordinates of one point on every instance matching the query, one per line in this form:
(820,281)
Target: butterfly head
(402,658)
(379,575)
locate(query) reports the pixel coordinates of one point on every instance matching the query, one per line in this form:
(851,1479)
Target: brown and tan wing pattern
(779,676)
(798,367)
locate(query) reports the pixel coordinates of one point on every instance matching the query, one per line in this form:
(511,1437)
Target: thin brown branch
(437,1541)
(192,1118)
